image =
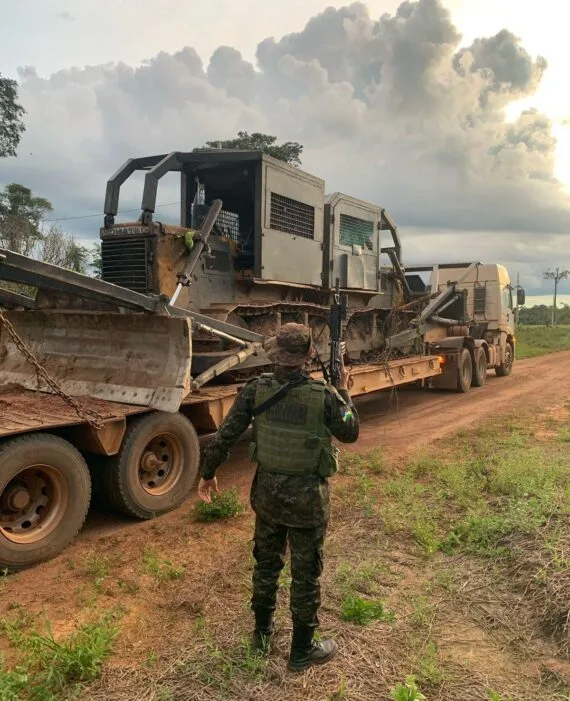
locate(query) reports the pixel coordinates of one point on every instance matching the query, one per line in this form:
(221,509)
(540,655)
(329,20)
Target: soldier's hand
(205,489)
(344,375)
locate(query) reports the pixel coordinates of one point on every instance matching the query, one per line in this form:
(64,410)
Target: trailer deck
(24,410)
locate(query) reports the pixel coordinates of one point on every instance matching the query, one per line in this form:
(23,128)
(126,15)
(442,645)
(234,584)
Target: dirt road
(395,424)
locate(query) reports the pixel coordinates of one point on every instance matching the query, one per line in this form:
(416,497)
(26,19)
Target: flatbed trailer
(97,390)
(139,460)
(25,411)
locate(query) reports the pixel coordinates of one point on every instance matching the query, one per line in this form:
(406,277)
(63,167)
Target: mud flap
(139,359)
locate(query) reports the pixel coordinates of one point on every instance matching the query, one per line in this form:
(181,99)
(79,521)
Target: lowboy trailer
(107,385)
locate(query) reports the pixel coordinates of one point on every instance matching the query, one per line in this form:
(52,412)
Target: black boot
(263,629)
(305,651)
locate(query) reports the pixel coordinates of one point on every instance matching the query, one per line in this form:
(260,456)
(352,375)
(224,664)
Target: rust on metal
(134,359)
(208,407)
(33,504)
(23,410)
(103,441)
(94,419)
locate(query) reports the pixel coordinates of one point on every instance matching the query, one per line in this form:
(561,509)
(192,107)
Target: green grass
(160,568)
(48,668)
(355,609)
(356,463)
(423,613)
(533,341)
(3,579)
(224,505)
(428,670)
(362,577)
(97,567)
(493,482)
(228,667)
(494,696)
(408,691)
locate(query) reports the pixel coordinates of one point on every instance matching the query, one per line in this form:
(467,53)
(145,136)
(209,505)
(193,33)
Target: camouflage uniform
(287,507)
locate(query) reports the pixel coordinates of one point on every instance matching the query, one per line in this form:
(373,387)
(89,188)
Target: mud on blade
(137,359)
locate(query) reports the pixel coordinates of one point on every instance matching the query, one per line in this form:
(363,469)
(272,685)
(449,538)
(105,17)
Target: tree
(290,151)
(21,214)
(96,260)
(541,315)
(60,248)
(11,113)
(556,275)
(22,230)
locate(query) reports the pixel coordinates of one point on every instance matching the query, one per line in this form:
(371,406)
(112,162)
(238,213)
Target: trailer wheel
(44,497)
(506,367)
(479,367)
(465,371)
(156,467)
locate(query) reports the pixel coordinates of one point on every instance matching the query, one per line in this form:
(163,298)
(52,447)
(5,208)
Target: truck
(107,385)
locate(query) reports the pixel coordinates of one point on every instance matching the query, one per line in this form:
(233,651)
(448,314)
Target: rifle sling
(323,367)
(277,397)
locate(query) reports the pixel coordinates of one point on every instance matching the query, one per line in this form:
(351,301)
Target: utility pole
(517,310)
(556,275)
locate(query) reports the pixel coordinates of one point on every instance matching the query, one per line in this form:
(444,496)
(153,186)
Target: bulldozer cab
(277,227)
(263,199)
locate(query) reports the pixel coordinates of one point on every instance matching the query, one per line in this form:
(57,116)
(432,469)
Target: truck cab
(487,305)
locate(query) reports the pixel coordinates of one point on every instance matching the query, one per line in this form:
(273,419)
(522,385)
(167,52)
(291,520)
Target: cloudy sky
(453,116)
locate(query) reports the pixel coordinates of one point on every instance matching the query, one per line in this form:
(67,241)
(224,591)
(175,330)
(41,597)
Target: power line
(92,216)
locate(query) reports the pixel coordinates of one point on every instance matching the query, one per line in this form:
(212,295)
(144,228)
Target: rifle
(337,318)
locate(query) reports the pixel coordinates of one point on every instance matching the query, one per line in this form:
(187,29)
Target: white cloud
(390,110)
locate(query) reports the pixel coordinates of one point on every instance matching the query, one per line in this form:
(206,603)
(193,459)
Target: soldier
(294,419)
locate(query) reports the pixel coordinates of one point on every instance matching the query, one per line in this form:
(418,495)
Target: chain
(93,418)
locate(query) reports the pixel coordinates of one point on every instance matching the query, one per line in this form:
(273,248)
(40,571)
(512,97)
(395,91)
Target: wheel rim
(33,504)
(161,464)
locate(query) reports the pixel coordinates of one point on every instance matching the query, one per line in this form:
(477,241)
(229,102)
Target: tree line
(541,315)
(24,230)
(24,217)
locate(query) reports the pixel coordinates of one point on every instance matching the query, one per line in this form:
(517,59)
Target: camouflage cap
(291,346)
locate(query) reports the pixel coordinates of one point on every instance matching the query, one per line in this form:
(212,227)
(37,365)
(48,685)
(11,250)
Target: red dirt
(394,424)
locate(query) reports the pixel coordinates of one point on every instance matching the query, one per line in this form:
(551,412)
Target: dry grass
(541,569)
(467,547)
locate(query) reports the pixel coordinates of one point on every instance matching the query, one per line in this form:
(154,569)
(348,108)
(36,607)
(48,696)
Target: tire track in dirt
(397,424)
(403,420)
(420,417)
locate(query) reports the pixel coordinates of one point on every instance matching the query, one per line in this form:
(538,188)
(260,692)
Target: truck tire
(156,467)
(45,491)
(464,371)
(479,359)
(506,367)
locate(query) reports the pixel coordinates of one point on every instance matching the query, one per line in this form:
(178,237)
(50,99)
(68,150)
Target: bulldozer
(278,248)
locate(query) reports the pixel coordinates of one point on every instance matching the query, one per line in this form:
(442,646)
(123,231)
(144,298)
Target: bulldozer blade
(139,359)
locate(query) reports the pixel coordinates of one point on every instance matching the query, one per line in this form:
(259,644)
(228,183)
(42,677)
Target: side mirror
(521,296)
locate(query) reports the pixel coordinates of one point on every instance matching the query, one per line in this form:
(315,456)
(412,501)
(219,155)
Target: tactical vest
(291,437)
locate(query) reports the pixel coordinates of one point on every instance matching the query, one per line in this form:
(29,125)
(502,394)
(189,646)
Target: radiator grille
(292,217)
(125,263)
(354,231)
